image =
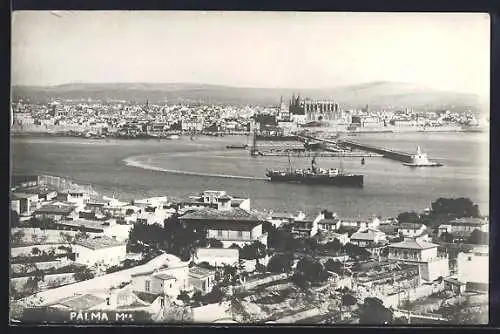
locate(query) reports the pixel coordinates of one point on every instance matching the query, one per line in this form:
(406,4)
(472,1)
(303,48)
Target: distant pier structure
(385,152)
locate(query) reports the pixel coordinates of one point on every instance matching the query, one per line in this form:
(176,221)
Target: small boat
(420,160)
(362,161)
(237,147)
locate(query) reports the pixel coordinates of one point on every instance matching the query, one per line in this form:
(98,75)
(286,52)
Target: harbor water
(178,168)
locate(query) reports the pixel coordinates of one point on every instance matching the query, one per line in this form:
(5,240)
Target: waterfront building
(24,204)
(215,199)
(329,224)
(99,251)
(473,268)
(304,227)
(228,225)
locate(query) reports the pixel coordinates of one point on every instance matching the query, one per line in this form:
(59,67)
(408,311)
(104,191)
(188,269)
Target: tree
(83,274)
(478,237)
(455,208)
(184,297)
(82,234)
(36,251)
(66,238)
(280,263)
(446,237)
(333,246)
(17,238)
(255,250)
(348,300)
(312,270)
(373,312)
(14,218)
(235,246)
(334,266)
(409,217)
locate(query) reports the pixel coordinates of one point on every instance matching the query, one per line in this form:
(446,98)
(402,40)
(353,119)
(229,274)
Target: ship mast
(289,162)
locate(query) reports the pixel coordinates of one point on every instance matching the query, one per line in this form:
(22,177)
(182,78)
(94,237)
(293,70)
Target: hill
(375,94)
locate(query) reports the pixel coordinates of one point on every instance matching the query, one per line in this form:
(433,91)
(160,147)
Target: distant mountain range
(375,94)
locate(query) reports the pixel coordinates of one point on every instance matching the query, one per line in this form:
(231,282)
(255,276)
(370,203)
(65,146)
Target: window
(148,286)
(203,285)
(219,233)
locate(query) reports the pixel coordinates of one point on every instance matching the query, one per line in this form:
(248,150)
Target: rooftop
(198,272)
(368,234)
(413,244)
(99,243)
(411,226)
(469,221)
(164,277)
(55,209)
(329,221)
(234,214)
(90,224)
(79,302)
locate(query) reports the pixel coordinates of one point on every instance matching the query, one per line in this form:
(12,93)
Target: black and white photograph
(224,167)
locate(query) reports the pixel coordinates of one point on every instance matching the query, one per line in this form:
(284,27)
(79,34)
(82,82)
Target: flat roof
(99,242)
(198,272)
(79,302)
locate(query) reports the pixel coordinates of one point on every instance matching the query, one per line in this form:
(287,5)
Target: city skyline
(448,52)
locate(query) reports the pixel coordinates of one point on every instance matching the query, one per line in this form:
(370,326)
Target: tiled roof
(93,224)
(198,272)
(329,221)
(469,221)
(80,302)
(368,234)
(99,243)
(55,209)
(278,215)
(164,276)
(234,214)
(409,226)
(413,244)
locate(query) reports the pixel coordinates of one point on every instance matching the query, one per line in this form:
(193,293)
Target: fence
(411,294)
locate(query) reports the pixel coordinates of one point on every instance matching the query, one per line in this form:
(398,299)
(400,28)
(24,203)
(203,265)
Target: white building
(423,253)
(411,229)
(100,251)
(473,266)
(217,256)
(201,279)
(464,226)
(169,279)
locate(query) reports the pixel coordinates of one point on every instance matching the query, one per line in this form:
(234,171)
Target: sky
(252,49)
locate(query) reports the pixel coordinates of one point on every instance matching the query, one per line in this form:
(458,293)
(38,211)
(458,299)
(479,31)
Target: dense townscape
(125,119)
(212,257)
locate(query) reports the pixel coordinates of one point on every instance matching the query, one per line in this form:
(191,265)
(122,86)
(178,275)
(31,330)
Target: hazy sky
(254,49)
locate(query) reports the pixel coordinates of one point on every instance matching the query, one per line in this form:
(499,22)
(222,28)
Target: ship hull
(351,181)
(423,165)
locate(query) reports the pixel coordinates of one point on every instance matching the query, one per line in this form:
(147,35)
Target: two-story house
(421,252)
(411,229)
(371,239)
(99,250)
(464,226)
(228,225)
(55,211)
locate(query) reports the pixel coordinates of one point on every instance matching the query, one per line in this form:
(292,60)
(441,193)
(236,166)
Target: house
(24,203)
(215,199)
(421,252)
(411,229)
(169,279)
(278,219)
(201,279)
(217,256)
(371,239)
(24,181)
(360,223)
(100,251)
(453,284)
(44,194)
(329,224)
(55,211)
(153,215)
(473,268)
(78,197)
(304,227)
(230,225)
(464,226)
